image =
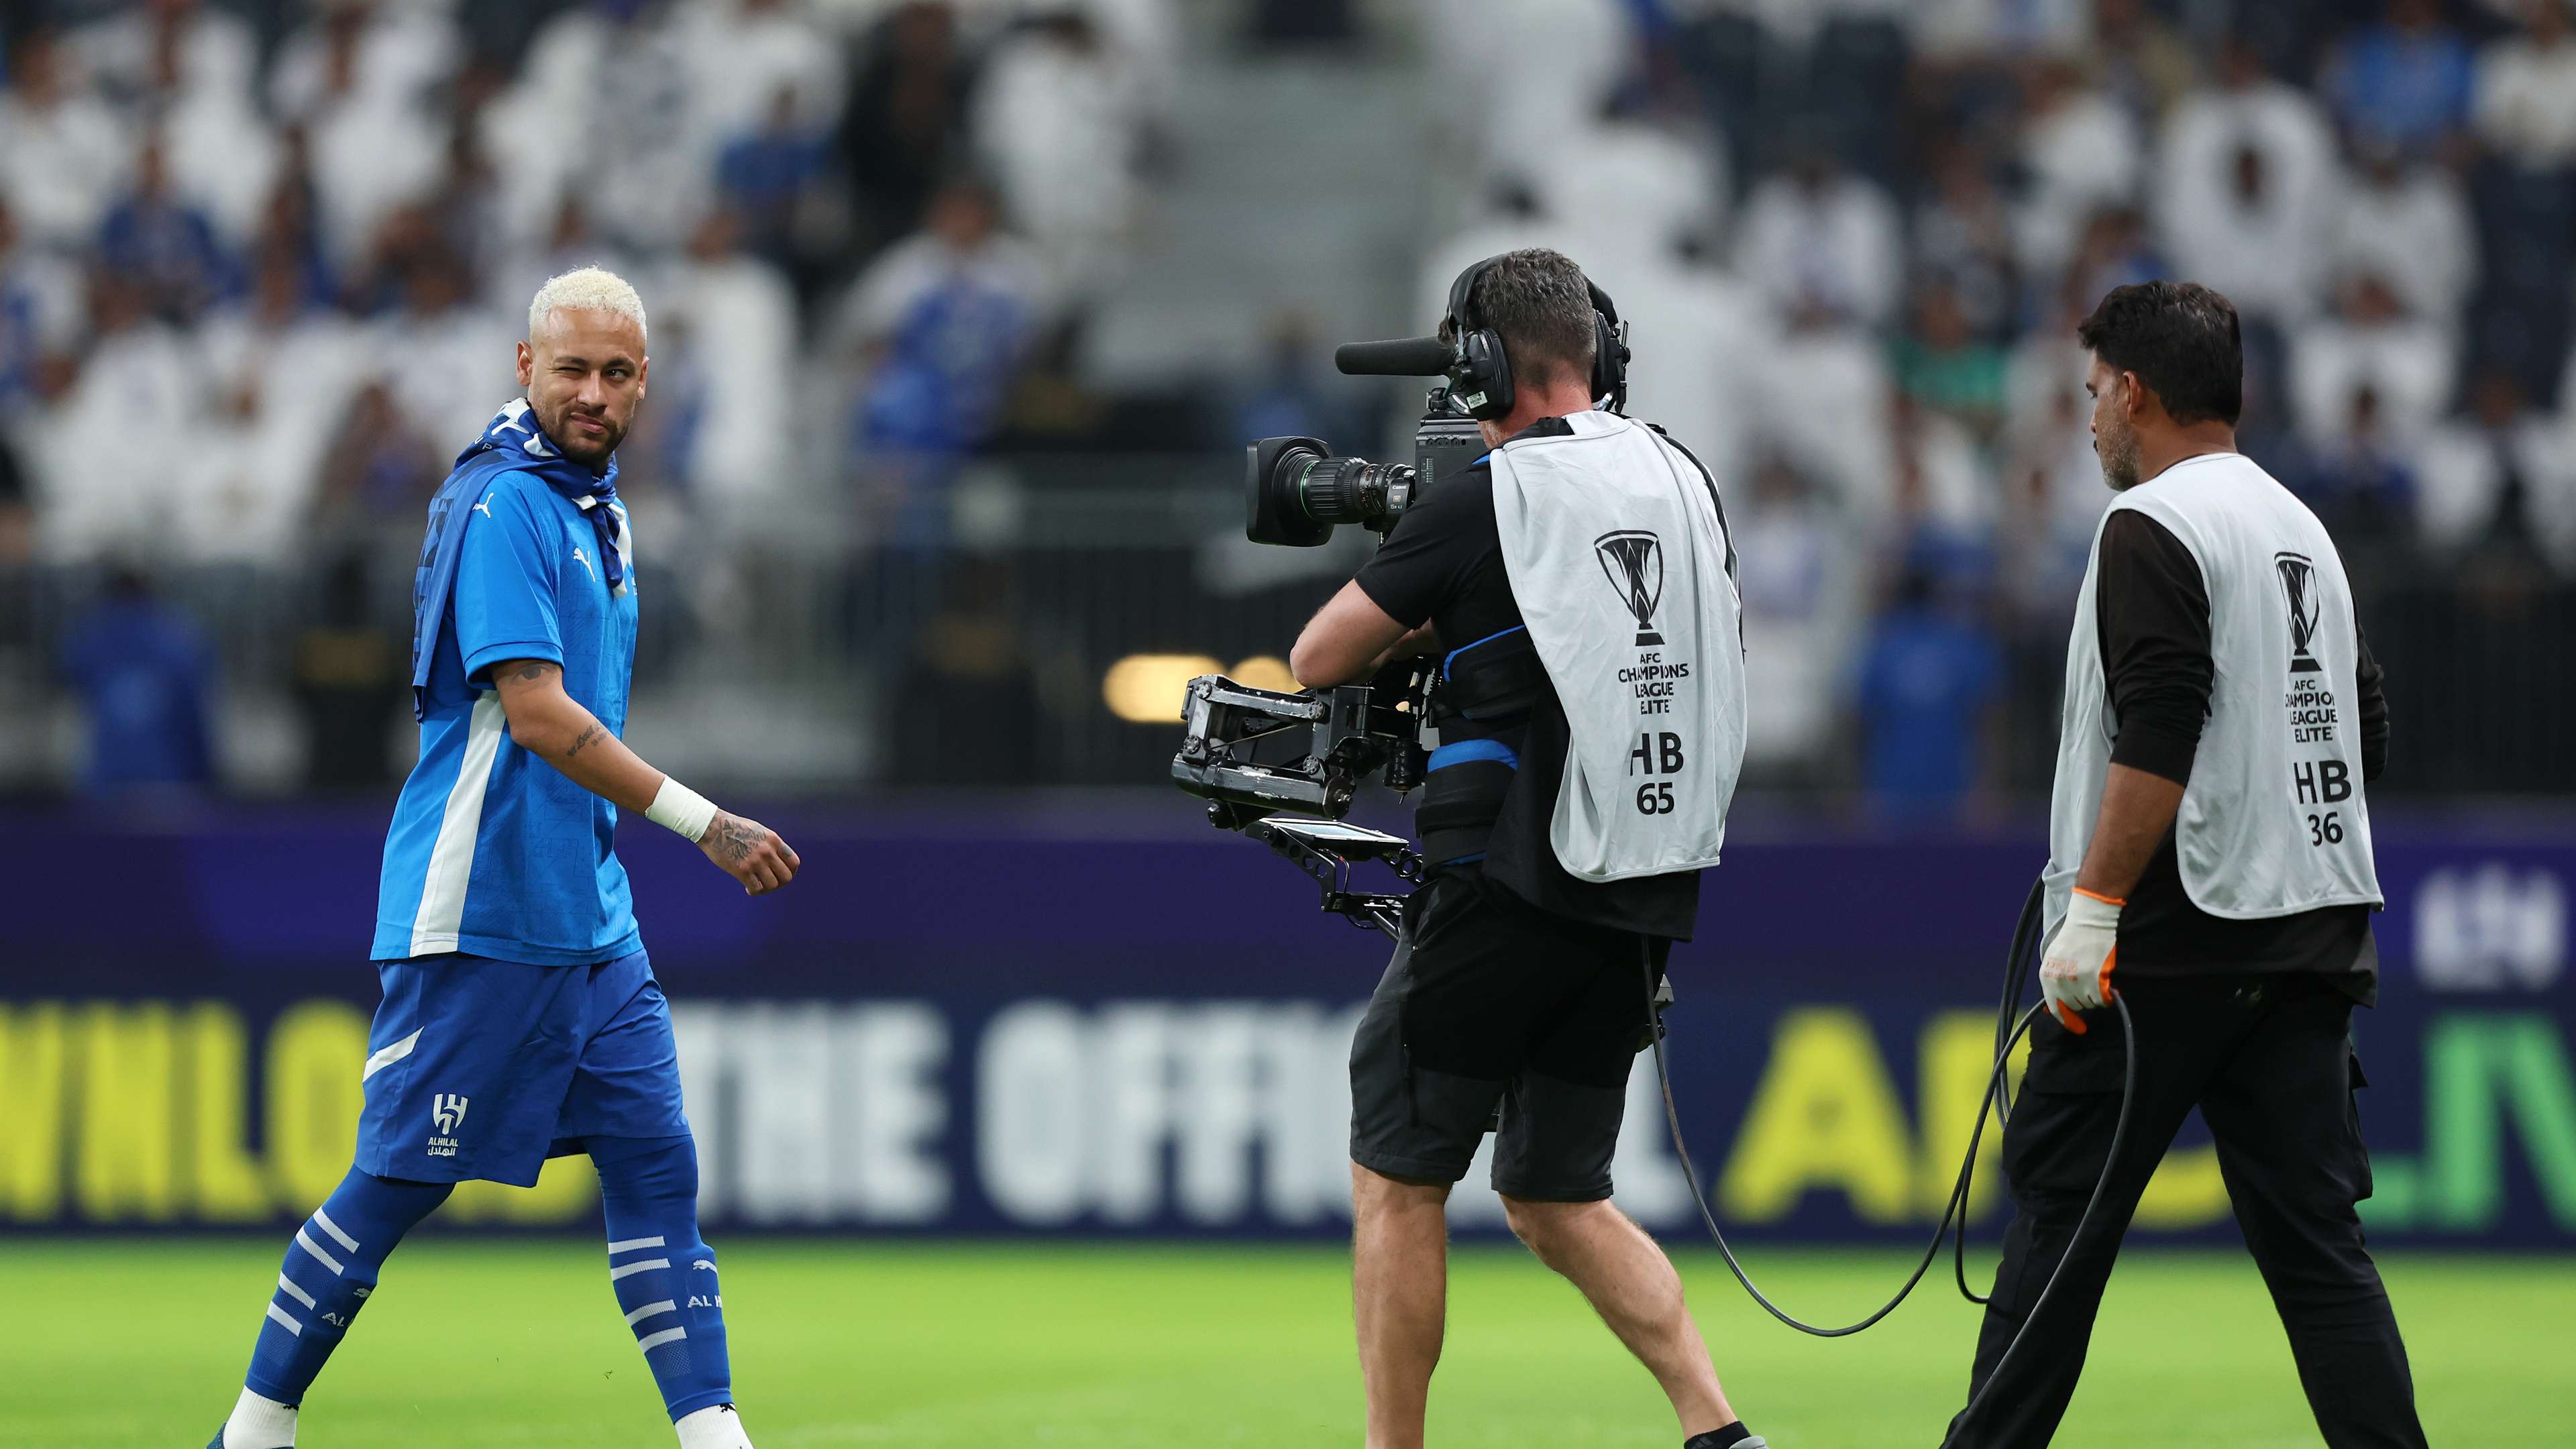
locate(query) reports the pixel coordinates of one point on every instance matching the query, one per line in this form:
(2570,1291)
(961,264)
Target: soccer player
(521,1019)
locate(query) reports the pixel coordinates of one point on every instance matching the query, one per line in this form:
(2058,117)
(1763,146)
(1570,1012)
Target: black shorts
(1491,1002)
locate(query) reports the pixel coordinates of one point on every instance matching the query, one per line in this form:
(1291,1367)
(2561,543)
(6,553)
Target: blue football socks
(664,1274)
(329,1273)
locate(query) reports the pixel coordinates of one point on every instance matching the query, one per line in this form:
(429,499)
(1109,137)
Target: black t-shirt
(2152,612)
(1443,565)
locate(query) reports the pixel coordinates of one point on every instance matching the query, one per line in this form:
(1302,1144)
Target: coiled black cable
(2016,975)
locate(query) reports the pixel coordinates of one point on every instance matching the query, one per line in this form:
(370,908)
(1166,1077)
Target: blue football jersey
(493,851)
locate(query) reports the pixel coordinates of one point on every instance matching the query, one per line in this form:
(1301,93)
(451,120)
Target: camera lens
(1340,490)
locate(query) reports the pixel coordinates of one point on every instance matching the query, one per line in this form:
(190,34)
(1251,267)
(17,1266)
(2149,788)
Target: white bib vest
(2273,820)
(1619,561)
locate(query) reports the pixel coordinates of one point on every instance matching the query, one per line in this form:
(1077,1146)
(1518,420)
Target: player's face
(584,374)
(2115,442)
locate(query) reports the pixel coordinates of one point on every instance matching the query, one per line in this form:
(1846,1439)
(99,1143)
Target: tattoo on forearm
(589,735)
(532,671)
(733,839)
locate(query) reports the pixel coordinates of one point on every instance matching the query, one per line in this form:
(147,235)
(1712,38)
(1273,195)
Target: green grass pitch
(121,1344)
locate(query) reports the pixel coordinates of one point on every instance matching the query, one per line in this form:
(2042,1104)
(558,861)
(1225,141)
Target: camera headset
(1480,370)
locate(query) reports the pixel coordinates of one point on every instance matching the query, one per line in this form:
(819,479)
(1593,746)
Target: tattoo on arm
(589,735)
(532,671)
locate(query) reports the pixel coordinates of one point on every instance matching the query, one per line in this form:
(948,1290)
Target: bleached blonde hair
(585,289)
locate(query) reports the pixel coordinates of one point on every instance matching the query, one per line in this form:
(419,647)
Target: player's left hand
(2075,972)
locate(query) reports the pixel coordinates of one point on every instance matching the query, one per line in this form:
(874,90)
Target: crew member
(2210,865)
(1576,583)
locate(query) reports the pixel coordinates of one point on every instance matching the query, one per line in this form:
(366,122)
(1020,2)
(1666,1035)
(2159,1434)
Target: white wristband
(677,807)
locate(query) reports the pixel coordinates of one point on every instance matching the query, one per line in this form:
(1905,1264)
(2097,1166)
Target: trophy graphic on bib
(2299,583)
(1632,559)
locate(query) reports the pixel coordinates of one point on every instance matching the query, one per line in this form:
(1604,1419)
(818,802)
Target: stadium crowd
(1876,224)
(256,263)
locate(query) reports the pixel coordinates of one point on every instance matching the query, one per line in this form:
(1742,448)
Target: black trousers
(2269,1062)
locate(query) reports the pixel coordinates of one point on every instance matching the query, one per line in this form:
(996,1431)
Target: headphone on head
(1480,371)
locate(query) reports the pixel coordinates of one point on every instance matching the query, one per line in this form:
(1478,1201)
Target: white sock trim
(716,1428)
(260,1423)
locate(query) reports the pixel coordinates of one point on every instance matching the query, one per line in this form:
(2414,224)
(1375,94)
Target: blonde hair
(585,289)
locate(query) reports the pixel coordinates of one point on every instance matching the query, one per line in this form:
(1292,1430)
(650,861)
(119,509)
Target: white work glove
(2075,972)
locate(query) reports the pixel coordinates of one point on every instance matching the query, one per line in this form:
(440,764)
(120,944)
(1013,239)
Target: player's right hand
(750,852)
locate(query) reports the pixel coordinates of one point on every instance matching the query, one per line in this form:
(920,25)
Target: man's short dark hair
(2181,339)
(1537,300)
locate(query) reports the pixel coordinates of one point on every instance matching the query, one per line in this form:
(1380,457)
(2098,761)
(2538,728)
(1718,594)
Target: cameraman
(1582,561)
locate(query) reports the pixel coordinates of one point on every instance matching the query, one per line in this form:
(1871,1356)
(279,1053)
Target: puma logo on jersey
(584,560)
(703,1263)
(485,507)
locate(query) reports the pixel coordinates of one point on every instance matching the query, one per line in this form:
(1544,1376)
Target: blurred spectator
(2499,485)
(2362,482)
(377,57)
(378,467)
(748,60)
(350,683)
(1942,363)
(2410,225)
(62,153)
(2526,89)
(455,356)
(1287,394)
(2140,58)
(40,320)
(108,454)
(2404,82)
(767,177)
(281,367)
(1514,77)
(1943,494)
(2253,241)
(1058,121)
(2113,252)
(568,240)
(941,323)
(2370,343)
(186,68)
(621,64)
(167,52)
(1929,680)
(907,116)
(369,147)
(1798,577)
(1822,246)
(142,672)
(164,244)
(1963,235)
(2244,185)
(2080,152)
(739,319)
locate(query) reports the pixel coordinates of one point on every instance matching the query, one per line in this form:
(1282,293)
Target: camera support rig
(1348,732)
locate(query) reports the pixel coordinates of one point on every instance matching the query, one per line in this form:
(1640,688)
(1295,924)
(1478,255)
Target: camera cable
(2009,1032)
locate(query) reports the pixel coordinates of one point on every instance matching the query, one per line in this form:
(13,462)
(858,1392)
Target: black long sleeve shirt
(2152,610)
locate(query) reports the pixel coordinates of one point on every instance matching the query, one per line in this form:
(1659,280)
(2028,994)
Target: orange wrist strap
(2098,896)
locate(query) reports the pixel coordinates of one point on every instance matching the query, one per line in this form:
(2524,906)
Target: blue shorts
(479,1068)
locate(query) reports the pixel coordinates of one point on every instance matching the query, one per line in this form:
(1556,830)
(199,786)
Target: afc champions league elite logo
(2299,584)
(1632,559)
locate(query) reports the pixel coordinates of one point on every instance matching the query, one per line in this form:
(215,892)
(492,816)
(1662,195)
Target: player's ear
(643,374)
(527,365)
